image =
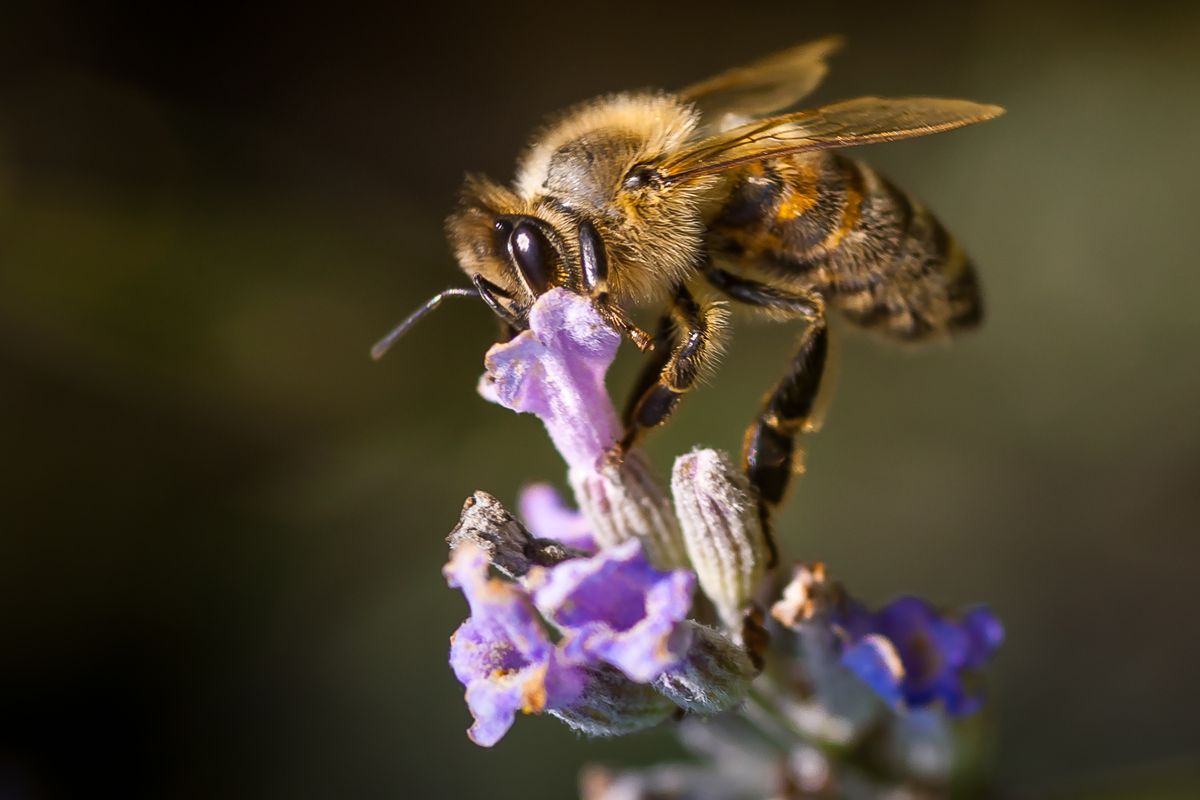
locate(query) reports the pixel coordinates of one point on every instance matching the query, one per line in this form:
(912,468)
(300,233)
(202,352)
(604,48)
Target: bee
(711,197)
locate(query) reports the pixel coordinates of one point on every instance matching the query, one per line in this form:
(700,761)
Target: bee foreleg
(771,453)
(652,367)
(593,272)
(696,343)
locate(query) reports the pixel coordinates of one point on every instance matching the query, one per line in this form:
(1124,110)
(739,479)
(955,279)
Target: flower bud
(613,705)
(721,529)
(623,501)
(713,676)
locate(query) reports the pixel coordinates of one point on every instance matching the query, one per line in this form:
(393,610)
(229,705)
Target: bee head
(512,257)
(514,246)
(517,249)
(601,160)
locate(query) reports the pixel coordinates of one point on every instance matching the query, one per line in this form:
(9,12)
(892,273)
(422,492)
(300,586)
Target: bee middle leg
(687,340)
(771,453)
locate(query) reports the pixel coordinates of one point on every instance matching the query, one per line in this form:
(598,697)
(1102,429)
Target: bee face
(600,160)
(588,211)
(517,248)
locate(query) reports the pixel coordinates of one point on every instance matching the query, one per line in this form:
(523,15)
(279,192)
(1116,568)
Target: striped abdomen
(832,224)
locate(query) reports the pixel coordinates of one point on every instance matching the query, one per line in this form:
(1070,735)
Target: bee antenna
(384,344)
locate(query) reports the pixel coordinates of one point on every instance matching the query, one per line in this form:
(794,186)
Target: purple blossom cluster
(911,653)
(593,615)
(501,654)
(612,609)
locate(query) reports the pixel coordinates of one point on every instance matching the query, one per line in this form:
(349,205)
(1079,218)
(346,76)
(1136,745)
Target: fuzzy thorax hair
(596,162)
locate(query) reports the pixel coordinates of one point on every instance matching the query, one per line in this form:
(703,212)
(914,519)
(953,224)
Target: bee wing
(766,86)
(853,122)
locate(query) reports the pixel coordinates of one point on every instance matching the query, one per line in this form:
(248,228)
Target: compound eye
(531,253)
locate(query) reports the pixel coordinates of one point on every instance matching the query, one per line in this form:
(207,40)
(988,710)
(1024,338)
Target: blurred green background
(222,523)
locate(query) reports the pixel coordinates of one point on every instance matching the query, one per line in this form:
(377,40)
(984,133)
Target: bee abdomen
(833,224)
(897,269)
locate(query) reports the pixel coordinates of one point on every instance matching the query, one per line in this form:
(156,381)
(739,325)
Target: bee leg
(807,305)
(664,340)
(664,381)
(771,453)
(593,271)
(491,294)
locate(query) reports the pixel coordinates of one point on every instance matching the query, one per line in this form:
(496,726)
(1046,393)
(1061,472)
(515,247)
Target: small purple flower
(875,661)
(932,649)
(985,634)
(617,608)
(548,516)
(556,370)
(501,654)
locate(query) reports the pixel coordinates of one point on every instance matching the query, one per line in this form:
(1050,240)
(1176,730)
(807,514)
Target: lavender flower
(626,640)
(932,650)
(504,658)
(501,654)
(874,660)
(617,608)
(556,371)
(614,581)
(549,517)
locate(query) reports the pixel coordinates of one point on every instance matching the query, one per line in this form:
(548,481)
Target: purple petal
(548,517)
(493,705)
(480,648)
(499,681)
(556,370)
(501,654)
(984,633)
(934,650)
(875,662)
(904,615)
(617,608)
(497,603)
(926,646)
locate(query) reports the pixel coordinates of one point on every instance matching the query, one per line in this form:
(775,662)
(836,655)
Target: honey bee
(708,198)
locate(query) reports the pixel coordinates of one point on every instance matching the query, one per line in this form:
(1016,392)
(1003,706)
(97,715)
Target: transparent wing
(777,82)
(853,122)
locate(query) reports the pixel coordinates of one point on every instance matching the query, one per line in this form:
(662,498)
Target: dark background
(221,524)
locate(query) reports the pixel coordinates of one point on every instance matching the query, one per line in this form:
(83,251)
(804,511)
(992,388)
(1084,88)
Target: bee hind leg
(687,341)
(771,452)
